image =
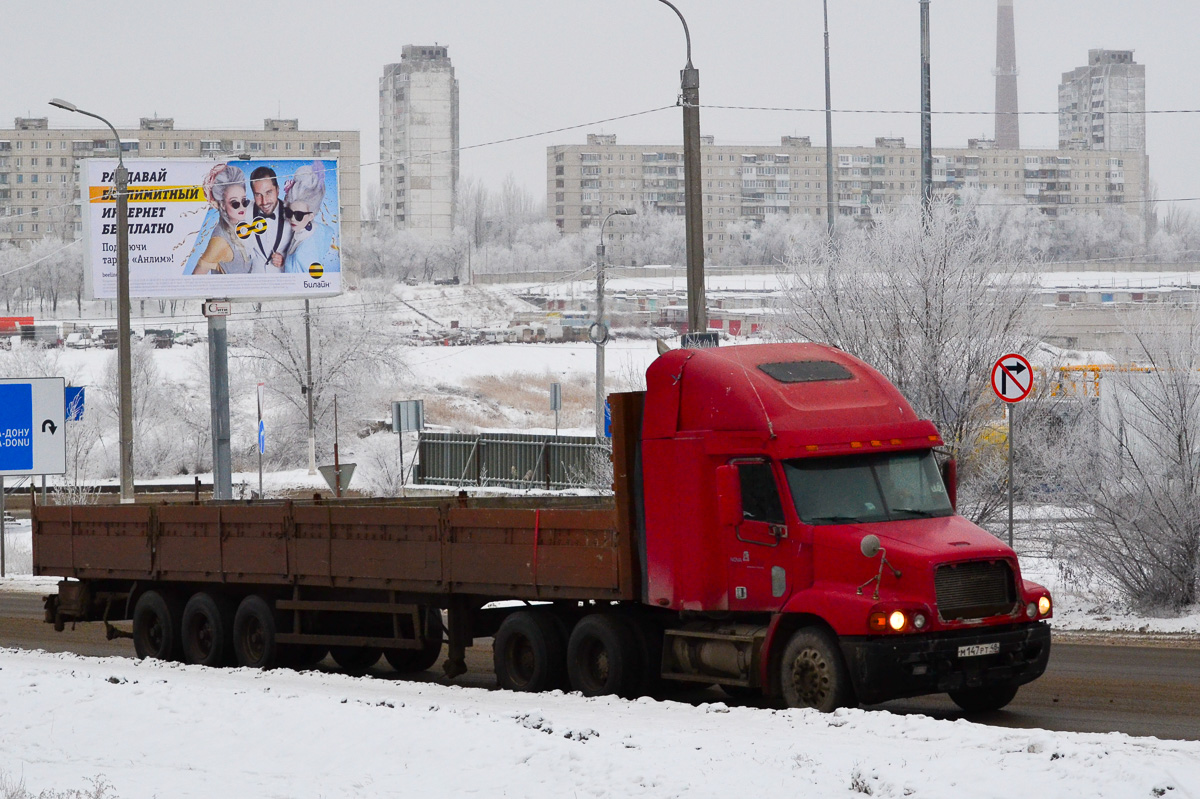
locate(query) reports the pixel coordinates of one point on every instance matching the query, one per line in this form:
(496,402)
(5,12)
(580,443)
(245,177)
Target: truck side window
(760,496)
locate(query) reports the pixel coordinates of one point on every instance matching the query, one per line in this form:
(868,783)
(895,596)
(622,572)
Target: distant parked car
(78,341)
(162,339)
(187,338)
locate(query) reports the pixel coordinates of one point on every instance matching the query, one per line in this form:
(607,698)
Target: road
(1129,684)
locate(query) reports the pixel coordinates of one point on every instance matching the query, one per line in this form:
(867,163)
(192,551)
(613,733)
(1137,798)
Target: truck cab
(790,490)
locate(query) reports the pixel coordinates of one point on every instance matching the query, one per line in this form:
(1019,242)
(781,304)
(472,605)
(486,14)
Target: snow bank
(154,729)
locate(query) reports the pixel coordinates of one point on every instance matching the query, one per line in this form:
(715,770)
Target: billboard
(257,228)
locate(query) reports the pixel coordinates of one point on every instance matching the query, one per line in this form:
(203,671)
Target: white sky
(535,65)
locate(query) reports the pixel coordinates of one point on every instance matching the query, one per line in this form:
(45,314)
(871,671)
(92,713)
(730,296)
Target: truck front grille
(975,590)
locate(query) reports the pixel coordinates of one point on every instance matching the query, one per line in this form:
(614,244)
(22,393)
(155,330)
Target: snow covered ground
(151,729)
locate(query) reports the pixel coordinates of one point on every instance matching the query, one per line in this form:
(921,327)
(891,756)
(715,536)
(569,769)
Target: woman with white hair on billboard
(227,252)
(312,241)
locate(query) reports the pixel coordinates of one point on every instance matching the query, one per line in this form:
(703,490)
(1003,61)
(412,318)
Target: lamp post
(124,360)
(689,78)
(598,333)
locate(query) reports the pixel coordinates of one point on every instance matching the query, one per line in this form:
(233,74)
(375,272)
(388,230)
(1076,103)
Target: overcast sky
(526,66)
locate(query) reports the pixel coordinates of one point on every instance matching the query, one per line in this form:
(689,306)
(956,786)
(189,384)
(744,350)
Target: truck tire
(984,700)
(812,672)
(254,630)
(603,657)
(207,630)
(415,661)
(529,652)
(354,659)
(156,625)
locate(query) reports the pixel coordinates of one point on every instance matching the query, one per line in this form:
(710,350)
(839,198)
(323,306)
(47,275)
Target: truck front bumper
(894,667)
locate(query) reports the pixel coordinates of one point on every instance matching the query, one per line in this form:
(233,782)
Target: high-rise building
(750,184)
(1102,106)
(1008,124)
(39,192)
(418,142)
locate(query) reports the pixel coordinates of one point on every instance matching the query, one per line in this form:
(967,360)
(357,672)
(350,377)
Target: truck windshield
(867,488)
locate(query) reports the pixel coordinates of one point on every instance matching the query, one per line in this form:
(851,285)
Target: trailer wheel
(254,630)
(812,672)
(529,652)
(415,661)
(354,659)
(208,630)
(603,657)
(156,626)
(984,700)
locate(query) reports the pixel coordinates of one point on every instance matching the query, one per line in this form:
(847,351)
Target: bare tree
(353,358)
(931,305)
(1131,470)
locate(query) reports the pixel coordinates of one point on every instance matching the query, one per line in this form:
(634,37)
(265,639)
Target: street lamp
(598,333)
(124,360)
(689,78)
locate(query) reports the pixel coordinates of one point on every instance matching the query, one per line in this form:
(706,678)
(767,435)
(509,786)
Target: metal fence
(514,460)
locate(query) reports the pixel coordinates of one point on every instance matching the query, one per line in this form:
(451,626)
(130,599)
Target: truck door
(757,546)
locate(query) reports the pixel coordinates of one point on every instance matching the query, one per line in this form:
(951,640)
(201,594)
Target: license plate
(975,650)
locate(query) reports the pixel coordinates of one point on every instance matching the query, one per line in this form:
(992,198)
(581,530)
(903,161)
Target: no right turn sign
(1012,378)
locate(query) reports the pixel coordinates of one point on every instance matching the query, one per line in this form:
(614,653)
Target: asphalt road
(1131,684)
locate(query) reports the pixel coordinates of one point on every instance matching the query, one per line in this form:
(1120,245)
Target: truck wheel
(415,661)
(208,630)
(983,700)
(254,631)
(602,657)
(156,626)
(812,672)
(354,659)
(529,652)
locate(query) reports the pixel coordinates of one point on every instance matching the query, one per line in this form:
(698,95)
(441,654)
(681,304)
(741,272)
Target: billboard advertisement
(258,228)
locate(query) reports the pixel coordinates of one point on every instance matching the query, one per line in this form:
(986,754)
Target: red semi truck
(779,524)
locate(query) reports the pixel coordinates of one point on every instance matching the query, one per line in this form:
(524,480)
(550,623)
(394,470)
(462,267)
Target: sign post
(262,438)
(407,416)
(1012,380)
(556,403)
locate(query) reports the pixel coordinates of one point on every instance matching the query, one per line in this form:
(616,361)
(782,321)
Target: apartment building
(418,142)
(39,193)
(1102,106)
(755,183)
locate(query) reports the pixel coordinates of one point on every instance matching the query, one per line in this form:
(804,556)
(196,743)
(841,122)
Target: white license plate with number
(975,650)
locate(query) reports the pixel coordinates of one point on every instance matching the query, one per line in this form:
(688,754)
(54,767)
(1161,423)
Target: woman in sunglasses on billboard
(312,250)
(227,252)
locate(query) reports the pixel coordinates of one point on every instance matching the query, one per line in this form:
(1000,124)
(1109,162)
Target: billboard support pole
(312,440)
(2,564)
(218,387)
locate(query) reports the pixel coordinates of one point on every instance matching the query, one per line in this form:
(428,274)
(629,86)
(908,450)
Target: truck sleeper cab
(795,455)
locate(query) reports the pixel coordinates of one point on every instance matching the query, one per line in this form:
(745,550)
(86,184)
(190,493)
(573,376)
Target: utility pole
(689,80)
(828,129)
(926,118)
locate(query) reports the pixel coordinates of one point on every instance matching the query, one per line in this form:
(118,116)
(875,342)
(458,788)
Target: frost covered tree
(1131,470)
(353,357)
(931,306)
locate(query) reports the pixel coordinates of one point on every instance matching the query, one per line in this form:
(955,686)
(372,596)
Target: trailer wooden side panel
(536,552)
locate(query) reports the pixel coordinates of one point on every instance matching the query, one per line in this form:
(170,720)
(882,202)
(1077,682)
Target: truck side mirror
(949,471)
(729,496)
(869,546)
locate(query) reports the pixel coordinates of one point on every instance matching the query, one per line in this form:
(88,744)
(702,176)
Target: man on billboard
(272,236)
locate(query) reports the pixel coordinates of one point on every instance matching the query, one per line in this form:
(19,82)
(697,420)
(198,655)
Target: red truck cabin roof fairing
(804,398)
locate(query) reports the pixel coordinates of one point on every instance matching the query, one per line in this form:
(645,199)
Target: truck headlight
(1031,610)
(1044,605)
(919,620)
(897,620)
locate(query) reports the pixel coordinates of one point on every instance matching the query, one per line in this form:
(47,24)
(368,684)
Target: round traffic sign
(1012,378)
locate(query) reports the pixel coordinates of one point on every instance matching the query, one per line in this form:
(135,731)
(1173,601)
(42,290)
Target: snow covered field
(163,730)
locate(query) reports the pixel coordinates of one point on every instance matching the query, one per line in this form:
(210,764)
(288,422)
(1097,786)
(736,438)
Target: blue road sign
(74,399)
(262,437)
(16,426)
(607,420)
